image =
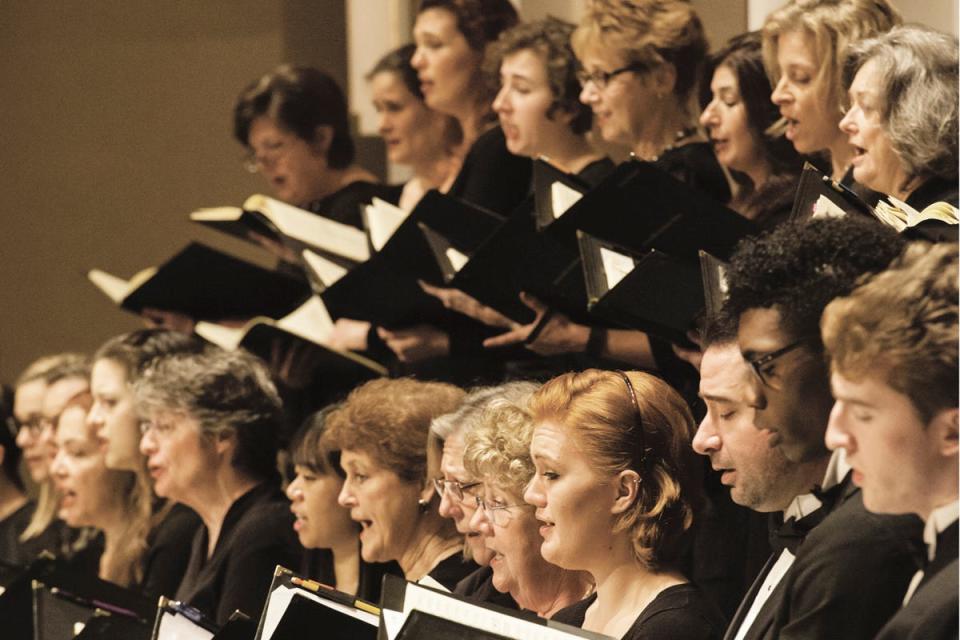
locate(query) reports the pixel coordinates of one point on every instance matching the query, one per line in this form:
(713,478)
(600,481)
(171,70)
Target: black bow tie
(829,497)
(790,533)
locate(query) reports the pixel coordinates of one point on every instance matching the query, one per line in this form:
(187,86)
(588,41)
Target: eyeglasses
(500,514)
(160,430)
(34,425)
(253,161)
(455,487)
(600,79)
(759,364)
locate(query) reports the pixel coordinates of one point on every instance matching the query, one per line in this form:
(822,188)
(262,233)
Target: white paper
(825,208)
(562,197)
(280,599)
(382,219)
(392,622)
(616,266)
(174,626)
(457,259)
(327,271)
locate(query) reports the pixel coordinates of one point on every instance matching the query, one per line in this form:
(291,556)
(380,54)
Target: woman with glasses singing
(210,437)
(381,432)
(458,489)
(498,451)
(614,493)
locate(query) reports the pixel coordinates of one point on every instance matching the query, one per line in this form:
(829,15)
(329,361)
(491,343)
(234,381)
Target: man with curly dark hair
(845,571)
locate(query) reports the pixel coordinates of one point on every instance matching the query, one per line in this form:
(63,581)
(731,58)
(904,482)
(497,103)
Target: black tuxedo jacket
(931,614)
(849,576)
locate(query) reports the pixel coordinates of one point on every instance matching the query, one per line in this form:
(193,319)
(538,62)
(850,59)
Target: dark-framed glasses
(455,487)
(600,79)
(761,364)
(253,161)
(498,514)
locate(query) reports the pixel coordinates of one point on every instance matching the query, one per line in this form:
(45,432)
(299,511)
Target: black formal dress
(12,551)
(168,550)
(318,565)
(256,535)
(452,570)
(345,204)
(680,611)
(931,612)
(479,586)
(849,576)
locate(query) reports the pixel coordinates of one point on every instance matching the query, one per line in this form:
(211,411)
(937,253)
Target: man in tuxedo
(893,350)
(853,566)
(758,475)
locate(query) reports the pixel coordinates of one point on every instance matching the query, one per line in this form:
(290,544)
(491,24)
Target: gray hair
(918,81)
(226,392)
(468,415)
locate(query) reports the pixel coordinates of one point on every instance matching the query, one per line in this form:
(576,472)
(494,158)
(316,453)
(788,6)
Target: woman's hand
(349,334)
(557,335)
(458,301)
(416,343)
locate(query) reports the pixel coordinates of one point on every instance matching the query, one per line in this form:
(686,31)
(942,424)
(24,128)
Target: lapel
(945,554)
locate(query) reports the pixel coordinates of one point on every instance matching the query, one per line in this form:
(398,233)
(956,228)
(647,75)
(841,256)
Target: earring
(423,505)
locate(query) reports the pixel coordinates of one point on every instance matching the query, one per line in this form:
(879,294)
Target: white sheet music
(327,270)
(616,266)
(457,259)
(281,597)
(382,219)
(174,626)
(562,198)
(427,601)
(825,208)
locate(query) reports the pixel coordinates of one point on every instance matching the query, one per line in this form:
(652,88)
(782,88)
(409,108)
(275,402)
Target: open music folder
(414,612)
(651,291)
(178,621)
(819,196)
(296,604)
(291,226)
(205,284)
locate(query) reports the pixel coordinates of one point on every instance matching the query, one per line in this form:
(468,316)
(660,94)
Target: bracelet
(597,342)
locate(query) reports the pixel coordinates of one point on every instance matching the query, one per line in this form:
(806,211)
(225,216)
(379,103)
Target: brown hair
(480,21)
(647,34)
(902,325)
(597,408)
(389,420)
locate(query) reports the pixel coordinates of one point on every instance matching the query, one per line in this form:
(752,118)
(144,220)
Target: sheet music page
(327,270)
(174,626)
(217,214)
(311,321)
(457,259)
(392,622)
(477,617)
(313,229)
(825,208)
(382,220)
(280,600)
(562,197)
(616,266)
(221,335)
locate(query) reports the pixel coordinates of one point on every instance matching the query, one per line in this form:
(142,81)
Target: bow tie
(790,533)
(829,497)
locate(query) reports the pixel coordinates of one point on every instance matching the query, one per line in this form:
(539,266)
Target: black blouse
(479,586)
(12,551)
(344,205)
(168,550)
(256,535)
(680,611)
(452,570)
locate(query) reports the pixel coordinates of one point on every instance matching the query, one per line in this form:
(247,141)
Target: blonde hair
(647,33)
(833,25)
(652,438)
(901,324)
(498,448)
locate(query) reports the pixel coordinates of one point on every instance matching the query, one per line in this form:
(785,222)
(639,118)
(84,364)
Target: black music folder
(819,196)
(650,291)
(384,289)
(58,598)
(291,226)
(554,191)
(307,327)
(713,274)
(296,604)
(108,626)
(205,284)
(414,612)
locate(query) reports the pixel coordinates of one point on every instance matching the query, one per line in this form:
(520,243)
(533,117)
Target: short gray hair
(918,82)
(468,414)
(225,392)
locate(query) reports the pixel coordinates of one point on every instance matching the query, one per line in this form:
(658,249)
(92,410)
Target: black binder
(207,284)
(443,613)
(813,185)
(107,626)
(713,273)
(384,289)
(545,177)
(660,294)
(314,606)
